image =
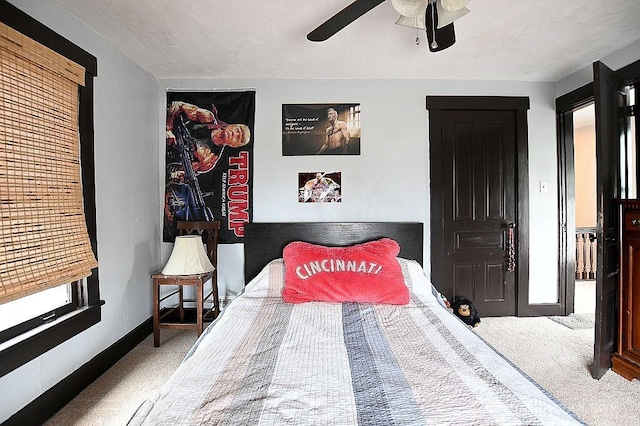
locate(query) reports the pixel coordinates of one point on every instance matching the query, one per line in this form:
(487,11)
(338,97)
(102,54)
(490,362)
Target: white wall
(584,148)
(615,60)
(128,208)
(389,181)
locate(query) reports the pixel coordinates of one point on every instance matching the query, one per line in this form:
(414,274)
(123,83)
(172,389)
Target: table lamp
(188,257)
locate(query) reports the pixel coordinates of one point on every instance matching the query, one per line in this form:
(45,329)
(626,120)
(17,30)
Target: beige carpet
(114,397)
(576,321)
(559,359)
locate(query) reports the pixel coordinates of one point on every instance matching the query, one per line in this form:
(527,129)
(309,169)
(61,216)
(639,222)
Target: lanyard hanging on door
(511,247)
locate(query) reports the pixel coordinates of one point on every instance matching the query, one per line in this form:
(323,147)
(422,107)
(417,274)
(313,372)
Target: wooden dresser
(626,360)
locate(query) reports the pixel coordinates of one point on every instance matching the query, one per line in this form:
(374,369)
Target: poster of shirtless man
(321,129)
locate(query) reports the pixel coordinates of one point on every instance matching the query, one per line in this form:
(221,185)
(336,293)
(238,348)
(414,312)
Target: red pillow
(366,273)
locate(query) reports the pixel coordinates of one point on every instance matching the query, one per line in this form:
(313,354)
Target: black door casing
(478,171)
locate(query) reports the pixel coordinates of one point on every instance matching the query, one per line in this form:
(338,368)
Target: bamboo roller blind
(42,225)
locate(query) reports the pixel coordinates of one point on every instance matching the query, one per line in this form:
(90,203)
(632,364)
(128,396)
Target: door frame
(520,106)
(565,105)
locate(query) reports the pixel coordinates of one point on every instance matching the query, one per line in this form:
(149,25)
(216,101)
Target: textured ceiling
(528,40)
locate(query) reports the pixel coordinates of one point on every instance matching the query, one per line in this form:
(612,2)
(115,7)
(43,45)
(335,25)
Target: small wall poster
(320,187)
(321,129)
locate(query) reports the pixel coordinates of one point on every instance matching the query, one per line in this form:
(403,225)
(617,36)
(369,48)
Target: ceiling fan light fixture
(416,22)
(409,8)
(453,5)
(446,17)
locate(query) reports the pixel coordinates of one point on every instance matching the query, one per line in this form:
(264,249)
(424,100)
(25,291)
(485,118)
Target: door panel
(609,107)
(478,150)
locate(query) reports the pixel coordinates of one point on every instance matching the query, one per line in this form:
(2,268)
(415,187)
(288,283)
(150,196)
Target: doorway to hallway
(585,213)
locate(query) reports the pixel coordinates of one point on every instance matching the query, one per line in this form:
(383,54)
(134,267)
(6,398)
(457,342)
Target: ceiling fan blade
(342,19)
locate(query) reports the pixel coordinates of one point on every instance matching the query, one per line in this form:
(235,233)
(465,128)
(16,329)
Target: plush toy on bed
(464,309)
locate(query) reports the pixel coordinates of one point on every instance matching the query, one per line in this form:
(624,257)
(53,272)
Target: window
(81,312)
(43,229)
(30,312)
(26,308)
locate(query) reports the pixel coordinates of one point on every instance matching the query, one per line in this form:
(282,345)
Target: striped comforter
(268,362)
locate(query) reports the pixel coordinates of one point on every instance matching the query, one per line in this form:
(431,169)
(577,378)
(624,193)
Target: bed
(271,359)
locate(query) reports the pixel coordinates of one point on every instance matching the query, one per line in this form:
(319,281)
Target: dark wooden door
(474,186)
(609,108)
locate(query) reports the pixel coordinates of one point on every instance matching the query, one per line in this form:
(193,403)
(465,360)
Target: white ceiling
(528,40)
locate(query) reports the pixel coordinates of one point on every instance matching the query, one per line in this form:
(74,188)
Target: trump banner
(209,161)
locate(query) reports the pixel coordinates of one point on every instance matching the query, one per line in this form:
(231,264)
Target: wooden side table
(198,281)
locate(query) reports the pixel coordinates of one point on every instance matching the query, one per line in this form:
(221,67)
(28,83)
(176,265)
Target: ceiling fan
(434,16)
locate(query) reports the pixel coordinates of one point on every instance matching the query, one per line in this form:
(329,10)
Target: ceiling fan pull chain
(434,44)
(417,33)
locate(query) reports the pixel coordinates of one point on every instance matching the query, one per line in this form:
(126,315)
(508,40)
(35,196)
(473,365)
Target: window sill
(20,350)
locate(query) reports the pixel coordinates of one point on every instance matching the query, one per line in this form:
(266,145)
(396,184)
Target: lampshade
(188,257)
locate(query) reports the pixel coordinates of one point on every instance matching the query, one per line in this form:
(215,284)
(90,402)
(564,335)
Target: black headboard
(264,242)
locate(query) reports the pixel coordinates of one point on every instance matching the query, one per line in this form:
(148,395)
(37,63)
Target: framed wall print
(321,129)
(320,187)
